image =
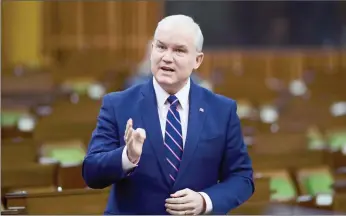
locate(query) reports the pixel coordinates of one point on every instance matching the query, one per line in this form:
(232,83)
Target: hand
(134,140)
(185,202)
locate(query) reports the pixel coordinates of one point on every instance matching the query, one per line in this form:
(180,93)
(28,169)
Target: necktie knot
(173,100)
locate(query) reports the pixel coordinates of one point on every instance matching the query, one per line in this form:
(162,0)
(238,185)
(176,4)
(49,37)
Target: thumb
(180,193)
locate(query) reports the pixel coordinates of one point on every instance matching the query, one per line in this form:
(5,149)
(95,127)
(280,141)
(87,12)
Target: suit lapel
(148,110)
(197,114)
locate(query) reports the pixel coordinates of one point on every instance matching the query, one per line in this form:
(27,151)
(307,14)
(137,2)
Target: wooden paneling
(90,37)
(18,153)
(282,64)
(101,25)
(29,176)
(95,18)
(68,25)
(79,201)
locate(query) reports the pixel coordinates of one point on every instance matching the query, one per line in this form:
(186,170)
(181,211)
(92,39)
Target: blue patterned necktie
(173,139)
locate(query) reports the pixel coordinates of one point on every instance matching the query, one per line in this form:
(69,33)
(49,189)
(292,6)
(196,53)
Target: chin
(166,80)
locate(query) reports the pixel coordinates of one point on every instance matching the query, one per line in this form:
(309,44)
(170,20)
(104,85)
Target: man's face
(174,56)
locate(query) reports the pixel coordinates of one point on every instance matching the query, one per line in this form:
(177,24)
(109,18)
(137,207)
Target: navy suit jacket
(215,159)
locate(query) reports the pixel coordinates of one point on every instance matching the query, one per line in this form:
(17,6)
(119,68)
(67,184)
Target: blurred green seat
(317,183)
(316,143)
(81,88)
(78,86)
(10,118)
(284,190)
(68,155)
(337,140)
(315,139)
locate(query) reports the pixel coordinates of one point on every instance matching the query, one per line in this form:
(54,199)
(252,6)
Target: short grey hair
(185,20)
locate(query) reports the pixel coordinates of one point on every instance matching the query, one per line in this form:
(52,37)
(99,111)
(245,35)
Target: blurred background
(284,62)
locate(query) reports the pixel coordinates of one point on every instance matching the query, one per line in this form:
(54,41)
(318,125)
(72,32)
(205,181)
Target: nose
(167,57)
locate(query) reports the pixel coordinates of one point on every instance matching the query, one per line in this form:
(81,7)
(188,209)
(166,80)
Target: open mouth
(168,69)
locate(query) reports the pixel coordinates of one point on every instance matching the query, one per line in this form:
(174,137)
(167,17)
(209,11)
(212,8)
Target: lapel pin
(201,109)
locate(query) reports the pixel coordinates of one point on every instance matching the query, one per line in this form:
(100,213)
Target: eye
(180,50)
(160,46)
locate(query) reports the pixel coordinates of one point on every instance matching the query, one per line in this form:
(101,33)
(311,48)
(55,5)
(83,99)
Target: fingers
(129,135)
(128,124)
(183,202)
(138,135)
(128,130)
(179,207)
(179,200)
(129,143)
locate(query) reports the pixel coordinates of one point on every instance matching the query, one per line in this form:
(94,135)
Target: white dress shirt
(163,107)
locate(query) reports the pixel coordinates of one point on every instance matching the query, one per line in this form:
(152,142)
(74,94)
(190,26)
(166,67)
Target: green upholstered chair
(284,189)
(317,183)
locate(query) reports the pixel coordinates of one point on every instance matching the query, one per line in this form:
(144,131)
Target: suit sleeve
(236,174)
(102,166)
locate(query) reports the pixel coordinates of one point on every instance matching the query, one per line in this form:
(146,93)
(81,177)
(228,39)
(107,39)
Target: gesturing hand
(134,140)
(185,202)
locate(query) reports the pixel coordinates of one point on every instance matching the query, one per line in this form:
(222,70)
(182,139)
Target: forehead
(175,36)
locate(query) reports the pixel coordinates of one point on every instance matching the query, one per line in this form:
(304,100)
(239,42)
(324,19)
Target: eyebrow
(178,46)
(160,42)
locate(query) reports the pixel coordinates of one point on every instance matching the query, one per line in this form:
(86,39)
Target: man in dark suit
(169,145)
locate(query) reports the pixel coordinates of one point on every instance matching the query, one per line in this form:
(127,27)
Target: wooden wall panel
(67,17)
(129,23)
(284,64)
(95,18)
(80,32)
(87,38)
(252,74)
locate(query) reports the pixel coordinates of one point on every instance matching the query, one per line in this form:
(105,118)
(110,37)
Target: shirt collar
(182,94)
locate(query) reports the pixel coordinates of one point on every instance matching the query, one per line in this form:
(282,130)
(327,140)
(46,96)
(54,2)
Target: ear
(199,60)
